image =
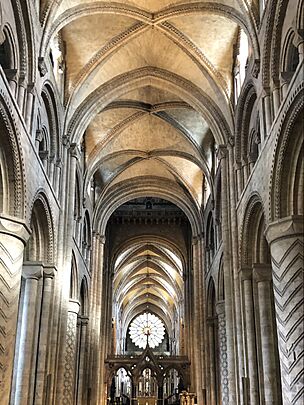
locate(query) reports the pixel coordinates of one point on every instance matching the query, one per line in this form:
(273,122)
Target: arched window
(147,328)
(42,143)
(73,280)
(289,60)
(240,63)
(210,239)
(86,237)
(7,54)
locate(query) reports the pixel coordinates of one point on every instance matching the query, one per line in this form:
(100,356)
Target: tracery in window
(145,328)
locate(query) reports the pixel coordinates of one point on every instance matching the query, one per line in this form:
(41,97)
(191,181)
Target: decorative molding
(96,101)
(42,67)
(17,207)
(294,105)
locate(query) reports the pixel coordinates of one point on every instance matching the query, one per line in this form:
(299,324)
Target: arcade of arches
(151,202)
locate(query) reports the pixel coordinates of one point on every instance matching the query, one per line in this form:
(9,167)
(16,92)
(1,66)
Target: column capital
(238,165)
(31,88)
(221,152)
(262,272)
(298,38)
(39,135)
(49,271)
(99,237)
(52,158)
(73,306)
(32,270)
(102,239)
(59,162)
(74,151)
(14,227)
(245,273)
(66,141)
(83,320)
(197,238)
(220,307)
(42,66)
(255,68)
(210,321)
(265,92)
(285,228)
(22,81)
(285,77)
(231,142)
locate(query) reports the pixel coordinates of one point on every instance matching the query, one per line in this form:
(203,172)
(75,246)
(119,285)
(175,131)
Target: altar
(146,400)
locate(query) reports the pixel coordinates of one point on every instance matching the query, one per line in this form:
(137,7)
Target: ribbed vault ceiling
(149,82)
(148,276)
(149,92)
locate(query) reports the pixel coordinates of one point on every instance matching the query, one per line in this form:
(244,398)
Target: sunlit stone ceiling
(148,93)
(148,84)
(148,276)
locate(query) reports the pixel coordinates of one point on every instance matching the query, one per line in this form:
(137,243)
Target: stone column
(58,169)
(29,107)
(299,43)
(228,278)
(21,94)
(262,277)
(276,97)
(286,245)
(51,169)
(70,354)
(239,177)
(81,386)
(236,293)
(134,395)
(250,333)
(212,362)
(12,78)
(31,273)
(160,395)
(44,335)
(245,169)
(100,309)
(197,319)
(267,112)
(220,310)
(202,310)
(13,235)
(285,78)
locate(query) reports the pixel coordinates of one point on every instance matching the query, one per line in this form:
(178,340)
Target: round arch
(109,202)
(156,77)
(145,17)
(41,245)
(253,245)
(12,171)
(286,172)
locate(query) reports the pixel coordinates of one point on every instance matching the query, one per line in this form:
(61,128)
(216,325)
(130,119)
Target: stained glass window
(147,327)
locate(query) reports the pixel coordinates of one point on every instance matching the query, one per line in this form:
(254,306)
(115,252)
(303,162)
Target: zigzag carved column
(220,310)
(286,242)
(70,354)
(13,235)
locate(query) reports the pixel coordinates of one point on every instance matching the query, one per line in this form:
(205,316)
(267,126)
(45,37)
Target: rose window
(147,328)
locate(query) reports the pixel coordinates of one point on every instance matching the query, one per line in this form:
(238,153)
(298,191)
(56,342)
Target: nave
(151,202)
